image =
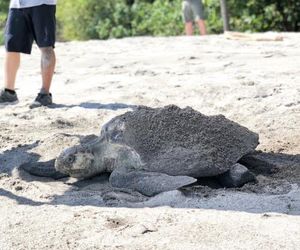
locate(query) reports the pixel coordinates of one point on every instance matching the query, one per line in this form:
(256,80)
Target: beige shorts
(192,10)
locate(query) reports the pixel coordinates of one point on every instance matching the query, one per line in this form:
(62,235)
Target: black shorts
(30,24)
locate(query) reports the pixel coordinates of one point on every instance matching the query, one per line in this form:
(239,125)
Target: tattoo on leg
(47,57)
(47,68)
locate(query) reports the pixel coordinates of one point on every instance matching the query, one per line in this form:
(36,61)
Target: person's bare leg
(202,27)
(11,66)
(48,61)
(189,28)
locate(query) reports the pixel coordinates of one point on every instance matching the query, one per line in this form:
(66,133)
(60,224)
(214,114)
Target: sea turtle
(152,150)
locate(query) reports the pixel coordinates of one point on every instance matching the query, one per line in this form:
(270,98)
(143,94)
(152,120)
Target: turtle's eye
(89,151)
(71,159)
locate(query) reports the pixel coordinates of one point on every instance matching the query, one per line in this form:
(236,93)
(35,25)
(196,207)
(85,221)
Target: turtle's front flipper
(43,169)
(147,183)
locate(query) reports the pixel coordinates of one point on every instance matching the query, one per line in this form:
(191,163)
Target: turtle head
(76,161)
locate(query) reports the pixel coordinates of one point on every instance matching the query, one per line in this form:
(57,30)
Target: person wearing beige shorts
(193,10)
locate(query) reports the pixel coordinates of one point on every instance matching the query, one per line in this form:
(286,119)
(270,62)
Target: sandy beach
(254,83)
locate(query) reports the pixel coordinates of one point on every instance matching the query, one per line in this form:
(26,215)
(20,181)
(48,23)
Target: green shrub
(3,13)
(162,18)
(264,15)
(1,38)
(93,19)
(213,15)
(141,12)
(99,19)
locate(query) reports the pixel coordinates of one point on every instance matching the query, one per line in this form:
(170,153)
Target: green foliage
(162,18)
(102,19)
(3,12)
(214,20)
(254,16)
(118,24)
(4,5)
(264,15)
(1,38)
(92,19)
(141,24)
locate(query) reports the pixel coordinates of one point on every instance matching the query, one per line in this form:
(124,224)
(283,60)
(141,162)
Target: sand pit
(256,84)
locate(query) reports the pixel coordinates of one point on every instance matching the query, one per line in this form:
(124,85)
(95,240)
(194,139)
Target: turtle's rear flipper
(147,183)
(43,169)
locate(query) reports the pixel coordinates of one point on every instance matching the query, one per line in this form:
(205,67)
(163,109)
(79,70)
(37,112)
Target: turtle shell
(179,141)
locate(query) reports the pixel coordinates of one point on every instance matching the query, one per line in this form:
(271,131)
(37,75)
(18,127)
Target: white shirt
(30,3)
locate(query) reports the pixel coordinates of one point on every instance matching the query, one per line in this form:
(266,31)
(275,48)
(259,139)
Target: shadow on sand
(98,192)
(93,105)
